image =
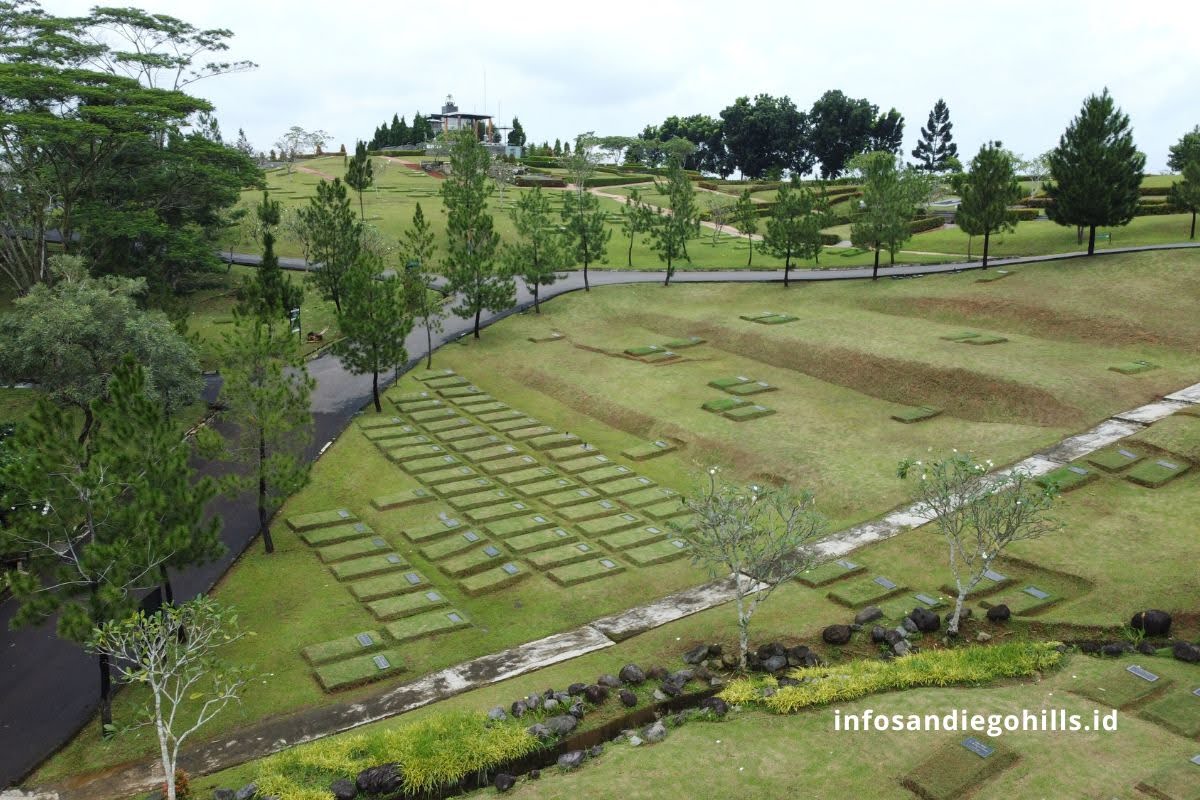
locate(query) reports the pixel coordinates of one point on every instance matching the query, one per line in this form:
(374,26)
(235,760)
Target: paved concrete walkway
(288,731)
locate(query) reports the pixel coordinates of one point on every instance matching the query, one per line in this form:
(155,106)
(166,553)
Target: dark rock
(795,655)
(550,704)
(786,681)
(576,709)
(910,626)
(891,636)
(901,648)
(999,613)
(696,655)
(1152,622)
(539,731)
(813,660)
(222,794)
(715,650)
(343,789)
(836,634)
(878,634)
(773,649)
(671,689)
(681,677)
(504,782)
(549,693)
(656,673)
(595,751)
(519,709)
(628,698)
(563,698)
(595,694)
(1146,649)
(1186,651)
(752,660)
(854,626)
(775,663)
(1091,648)
(571,760)
(534,774)
(631,673)
(868,614)
(655,732)
(611,681)
(383,779)
(576,689)
(247,792)
(497,714)
(702,673)
(715,706)
(729,661)
(926,621)
(1113,649)
(562,724)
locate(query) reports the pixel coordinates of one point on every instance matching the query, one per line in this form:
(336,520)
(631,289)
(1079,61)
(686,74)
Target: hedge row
(1155,210)
(1037,202)
(616,180)
(394,153)
(1026,214)
(830,239)
(922,224)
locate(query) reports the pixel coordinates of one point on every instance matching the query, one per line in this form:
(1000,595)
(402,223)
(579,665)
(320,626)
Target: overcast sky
(1015,70)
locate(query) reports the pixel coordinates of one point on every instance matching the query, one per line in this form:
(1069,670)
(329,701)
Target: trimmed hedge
(830,239)
(922,224)
(1041,201)
(1026,214)
(1155,210)
(617,180)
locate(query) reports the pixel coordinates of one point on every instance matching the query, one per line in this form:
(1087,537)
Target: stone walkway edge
(271,736)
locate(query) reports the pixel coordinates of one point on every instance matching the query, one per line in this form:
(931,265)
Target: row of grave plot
(1130,462)
(1146,689)
(737,407)
(662,353)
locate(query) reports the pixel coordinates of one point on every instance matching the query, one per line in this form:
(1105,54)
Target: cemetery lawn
(1041,237)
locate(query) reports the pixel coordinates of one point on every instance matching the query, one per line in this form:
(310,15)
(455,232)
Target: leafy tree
(987,191)
(936,144)
(763,536)
(265,397)
(1096,170)
(979,515)
(69,339)
(335,238)
(794,227)
(763,138)
(417,246)
(1185,194)
(270,295)
(887,132)
(375,323)
(539,252)
(890,192)
(1185,150)
(558,147)
(516,136)
(840,128)
(87,511)
(636,219)
(706,134)
(673,228)
(745,219)
(471,268)
(360,175)
(587,233)
(296,140)
(172,652)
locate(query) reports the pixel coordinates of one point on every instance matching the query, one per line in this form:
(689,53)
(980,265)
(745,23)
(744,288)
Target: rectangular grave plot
(556,487)
(367,567)
(664,509)
(649,497)
(511,464)
(540,540)
(527,476)
(402,455)
(518,525)
(723,404)
(644,350)
(861,592)
(321,519)
(452,545)
(563,554)
(377,588)
(591,509)
(776,319)
(573,452)
(515,424)
(961,336)
(1133,367)
(753,387)
(355,548)
(984,339)
(373,423)
(494,579)
(627,540)
(473,561)
(420,405)
(458,434)
(577,465)
(458,392)
(476,443)
(420,466)
(553,441)
(1115,458)
(467,486)
(396,435)
(450,474)
(432,374)
(488,408)
(553,336)
(529,432)
(913,414)
(491,417)
(1177,711)
(649,450)
(432,531)
(410,397)
(487,497)
(1117,688)
(657,552)
(685,342)
(831,572)
(408,497)
(447,382)
(757,315)
(627,485)
(388,445)
(493,453)
(319,537)
(432,415)
(584,571)
(324,652)
(953,771)
(1021,603)
(499,511)
(747,413)
(1155,473)
(611,524)
(430,623)
(1069,477)
(469,402)
(359,669)
(599,475)
(448,423)
(1175,782)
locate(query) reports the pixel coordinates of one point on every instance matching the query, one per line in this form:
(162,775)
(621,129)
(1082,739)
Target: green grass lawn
(1042,236)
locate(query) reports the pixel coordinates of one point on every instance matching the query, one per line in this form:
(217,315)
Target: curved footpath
(50,689)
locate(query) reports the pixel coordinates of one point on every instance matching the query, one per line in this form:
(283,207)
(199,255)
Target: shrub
(1154,209)
(616,180)
(922,224)
(1026,214)
(1154,191)
(1041,201)
(830,239)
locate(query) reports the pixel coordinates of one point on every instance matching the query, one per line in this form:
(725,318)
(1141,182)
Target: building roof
(460,114)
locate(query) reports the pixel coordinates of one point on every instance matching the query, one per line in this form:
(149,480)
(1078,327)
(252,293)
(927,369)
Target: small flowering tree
(978,514)
(763,536)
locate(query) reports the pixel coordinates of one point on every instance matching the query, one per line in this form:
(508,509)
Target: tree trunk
(750,260)
(478,311)
(361,210)
(787,270)
(88,420)
(743,629)
(875,269)
(168,591)
(106,719)
(375,391)
(1091,240)
(1192,235)
(986,237)
(956,617)
(263,528)
(629,257)
(428,344)
(587,287)
(1078,234)
(537,307)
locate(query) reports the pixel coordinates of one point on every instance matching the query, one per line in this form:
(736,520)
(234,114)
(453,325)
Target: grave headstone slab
(343,513)
(454,616)
(510,568)
(622,469)
(365,640)
(471,536)
(560,532)
(1078,470)
(643,480)
(392,558)
(539,518)
(1144,674)
(1196,759)
(977,747)
(583,548)
(679,543)
(885,583)
(584,493)
(992,575)
(519,506)
(378,542)
(652,529)
(360,527)
(433,597)
(607,503)
(607,563)
(1196,691)
(381,662)
(412,577)
(927,600)
(1035,592)
(1167,464)
(492,550)
(629,517)
(1127,453)
(846,563)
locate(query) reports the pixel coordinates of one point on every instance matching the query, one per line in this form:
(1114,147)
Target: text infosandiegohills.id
(1044,720)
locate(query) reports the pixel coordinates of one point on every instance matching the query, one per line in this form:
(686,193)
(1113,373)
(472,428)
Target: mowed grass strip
(863,592)
(368,566)
(723,404)
(1119,688)
(540,540)
(321,519)
(434,415)
(554,441)
(406,605)
(749,412)
(406,433)
(430,623)
(1178,711)
(584,571)
(492,417)
(402,499)
(494,579)
(323,652)
(427,375)
(600,475)
(447,382)
(420,405)
(754,387)
(552,486)
(435,551)
(916,414)
(389,585)
(318,537)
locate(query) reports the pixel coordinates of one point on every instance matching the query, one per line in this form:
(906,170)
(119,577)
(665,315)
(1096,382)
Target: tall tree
(636,220)
(1096,170)
(335,238)
(840,128)
(375,322)
(1185,194)
(294,142)
(887,132)
(539,252)
(1185,150)
(890,192)
(265,395)
(745,219)
(987,190)
(587,232)
(794,227)
(673,227)
(269,295)
(516,136)
(417,246)
(765,137)
(360,174)
(936,144)
(471,267)
(706,134)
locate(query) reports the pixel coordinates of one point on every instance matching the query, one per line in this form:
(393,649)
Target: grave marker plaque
(412,577)
(1035,592)
(1144,674)
(454,616)
(652,529)
(1196,691)
(360,527)
(1078,470)
(607,563)
(381,662)
(1127,453)
(927,600)
(471,536)
(560,532)
(977,747)
(992,575)
(492,550)
(433,597)
(539,518)
(392,558)
(607,504)
(885,583)
(846,563)
(378,542)
(519,506)
(364,640)
(1196,759)
(1167,464)
(679,543)
(644,481)
(343,513)
(583,548)
(510,568)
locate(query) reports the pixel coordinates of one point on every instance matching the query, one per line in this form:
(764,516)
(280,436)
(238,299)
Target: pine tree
(375,322)
(394,132)
(558,147)
(936,144)
(334,236)
(417,246)
(1185,150)
(472,242)
(1096,170)
(360,174)
(636,219)
(422,131)
(516,136)
(1185,194)
(404,134)
(269,296)
(745,219)
(671,231)
(794,227)
(987,190)
(539,252)
(587,233)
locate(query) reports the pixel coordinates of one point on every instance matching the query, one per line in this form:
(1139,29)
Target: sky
(1016,70)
